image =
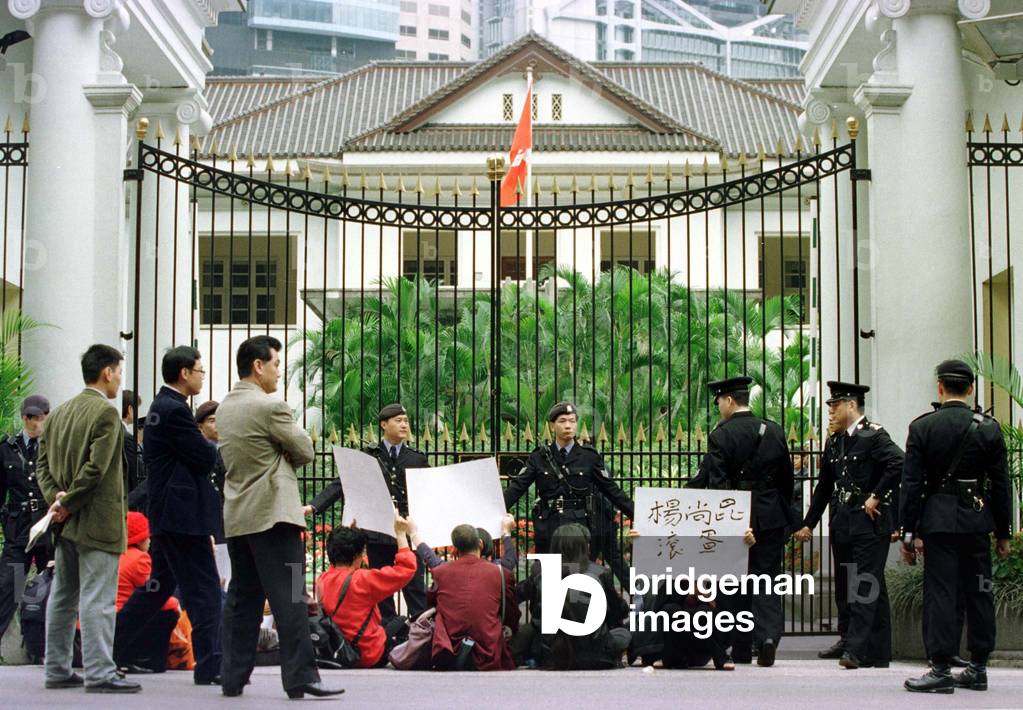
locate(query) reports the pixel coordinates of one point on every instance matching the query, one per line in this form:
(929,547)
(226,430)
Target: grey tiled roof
(692,107)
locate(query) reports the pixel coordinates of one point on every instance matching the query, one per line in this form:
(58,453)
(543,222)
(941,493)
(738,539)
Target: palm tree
(15,375)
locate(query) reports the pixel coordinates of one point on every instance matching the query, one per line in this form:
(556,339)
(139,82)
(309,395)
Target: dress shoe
(114,685)
(316,689)
(132,669)
(767,652)
(937,680)
(231,692)
(849,660)
(971,678)
(215,680)
(835,651)
(870,663)
(958,662)
(72,681)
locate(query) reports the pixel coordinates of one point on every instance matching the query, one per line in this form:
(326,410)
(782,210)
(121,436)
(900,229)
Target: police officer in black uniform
(955,492)
(570,479)
(395,456)
(745,452)
(23,505)
(859,477)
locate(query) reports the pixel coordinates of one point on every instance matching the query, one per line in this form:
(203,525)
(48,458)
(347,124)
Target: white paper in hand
(367,500)
(441,498)
(38,530)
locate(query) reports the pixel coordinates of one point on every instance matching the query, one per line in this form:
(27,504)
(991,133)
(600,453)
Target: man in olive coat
(81,474)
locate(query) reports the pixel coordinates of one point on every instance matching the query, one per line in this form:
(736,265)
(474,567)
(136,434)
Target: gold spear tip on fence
(698,433)
(250,162)
(436,185)
(611,182)
(640,434)
(630,179)
(474,189)
(536,186)
(834,129)
(724,163)
(445,435)
(334,438)
(705,168)
(662,433)
(548,431)
(353,435)
(326,175)
(314,436)
(289,168)
(817,135)
(518,187)
(177,135)
(584,434)
(555,188)
(969,122)
(620,436)
(687,169)
(381,182)
(159,130)
(509,434)
(483,438)
(742,159)
(456,189)
(401,183)
(426,438)
(142,128)
(463,436)
(987,123)
(602,437)
(269,163)
(1005,123)
(649,178)
(307,172)
(667,172)
(799,143)
(7,124)
(370,434)
(680,434)
(761,153)
(593,183)
(527,434)
(233,155)
(24,124)
(194,140)
(811,435)
(793,435)
(779,148)
(574,187)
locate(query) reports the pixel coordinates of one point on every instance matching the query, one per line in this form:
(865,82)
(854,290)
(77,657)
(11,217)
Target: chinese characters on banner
(682,528)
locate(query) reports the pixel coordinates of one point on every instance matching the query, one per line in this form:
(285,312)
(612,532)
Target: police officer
(859,476)
(570,479)
(955,492)
(394,456)
(745,452)
(23,505)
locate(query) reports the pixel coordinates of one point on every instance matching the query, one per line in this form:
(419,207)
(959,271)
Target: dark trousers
(840,583)
(150,648)
(270,566)
(381,554)
(14,566)
(604,545)
(868,631)
(682,649)
(768,616)
(184,562)
(958,564)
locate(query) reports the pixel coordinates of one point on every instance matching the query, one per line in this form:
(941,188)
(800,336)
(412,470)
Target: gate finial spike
(698,434)
(779,148)
(574,187)
(419,184)
(269,163)
(987,123)
(761,153)
(445,436)
(475,188)
(593,183)
(463,436)
(555,189)
(346,180)
(817,135)
(649,178)
(742,159)
(352,436)
(196,145)
(667,172)
(24,124)
(483,438)
(456,189)
(426,439)
(536,186)
(640,434)
(307,172)
(233,155)
(687,169)
(811,436)
(289,169)
(527,434)
(611,182)
(401,184)
(969,122)
(630,179)
(436,186)
(834,129)
(7,124)
(333,435)
(509,436)
(799,143)
(680,434)
(706,167)
(382,183)
(662,434)
(1005,123)
(620,436)
(518,187)
(250,162)
(159,130)
(177,136)
(215,149)
(584,434)
(326,174)
(793,436)
(362,181)
(602,437)
(142,128)
(724,162)
(852,127)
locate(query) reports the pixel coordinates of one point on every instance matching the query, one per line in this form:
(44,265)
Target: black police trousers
(862,595)
(954,564)
(765,557)
(381,554)
(14,565)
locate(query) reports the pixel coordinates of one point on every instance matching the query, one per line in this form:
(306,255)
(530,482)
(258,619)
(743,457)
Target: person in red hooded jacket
(149,653)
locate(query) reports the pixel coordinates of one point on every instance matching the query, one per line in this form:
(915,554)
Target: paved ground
(791,684)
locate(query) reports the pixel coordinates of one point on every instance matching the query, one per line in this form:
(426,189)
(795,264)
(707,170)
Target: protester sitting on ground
(149,653)
(599,650)
(509,556)
(363,589)
(475,602)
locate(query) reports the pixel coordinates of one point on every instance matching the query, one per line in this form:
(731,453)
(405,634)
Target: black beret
(561,408)
(843,391)
(954,370)
(35,405)
(732,385)
(391,410)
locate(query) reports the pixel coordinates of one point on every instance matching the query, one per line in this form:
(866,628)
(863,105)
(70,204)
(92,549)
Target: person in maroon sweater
(468,596)
(346,550)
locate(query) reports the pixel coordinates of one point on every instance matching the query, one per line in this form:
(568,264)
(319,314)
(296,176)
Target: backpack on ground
(33,615)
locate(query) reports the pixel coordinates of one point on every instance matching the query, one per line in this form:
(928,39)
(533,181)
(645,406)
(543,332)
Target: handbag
(416,653)
(330,644)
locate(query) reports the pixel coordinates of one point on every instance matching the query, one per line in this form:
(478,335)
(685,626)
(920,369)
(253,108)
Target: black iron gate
(625,293)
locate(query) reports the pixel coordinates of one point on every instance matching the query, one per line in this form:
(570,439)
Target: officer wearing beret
(23,505)
(745,452)
(955,492)
(394,456)
(570,479)
(859,477)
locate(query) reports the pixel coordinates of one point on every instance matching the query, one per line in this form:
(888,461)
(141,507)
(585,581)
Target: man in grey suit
(81,474)
(263,523)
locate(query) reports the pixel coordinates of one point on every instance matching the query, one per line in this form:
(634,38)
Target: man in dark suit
(859,474)
(955,492)
(184,511)
(395,456)
(747,453)
(135,470)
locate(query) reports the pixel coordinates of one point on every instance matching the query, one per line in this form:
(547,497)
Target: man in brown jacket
(81,474)
(263,522)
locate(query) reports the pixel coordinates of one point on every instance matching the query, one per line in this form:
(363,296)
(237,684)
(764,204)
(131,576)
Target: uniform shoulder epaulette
(11,440)
(588,447)
(875,426)
(412,448)
(925,414)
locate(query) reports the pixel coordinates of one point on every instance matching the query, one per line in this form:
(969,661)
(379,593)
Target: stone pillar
(914,104)
(165,273)
(80,104)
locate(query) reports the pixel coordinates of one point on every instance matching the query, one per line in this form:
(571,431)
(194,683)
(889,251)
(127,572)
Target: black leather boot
(835,651)
(937,680)
(974,677)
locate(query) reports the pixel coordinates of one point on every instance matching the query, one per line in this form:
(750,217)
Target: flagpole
(528,187)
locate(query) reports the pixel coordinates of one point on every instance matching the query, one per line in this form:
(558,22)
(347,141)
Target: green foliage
(999,372)
(15,375)
(629,350)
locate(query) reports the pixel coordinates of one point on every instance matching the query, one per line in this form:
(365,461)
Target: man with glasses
(184,511)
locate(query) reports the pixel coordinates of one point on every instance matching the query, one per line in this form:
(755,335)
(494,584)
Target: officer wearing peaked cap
(859,476)
(955,493)
(570,479)
(745,452)
(395,457)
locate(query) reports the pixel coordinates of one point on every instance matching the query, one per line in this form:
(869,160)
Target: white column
(166,269)
(914,106)
(75,185)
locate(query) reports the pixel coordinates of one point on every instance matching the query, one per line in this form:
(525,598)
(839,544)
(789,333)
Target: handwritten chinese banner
(687,527)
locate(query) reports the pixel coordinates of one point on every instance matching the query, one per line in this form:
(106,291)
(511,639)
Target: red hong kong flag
(520,154)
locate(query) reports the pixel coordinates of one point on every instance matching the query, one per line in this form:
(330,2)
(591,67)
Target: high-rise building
(734,37)
(304,36)
(439,30)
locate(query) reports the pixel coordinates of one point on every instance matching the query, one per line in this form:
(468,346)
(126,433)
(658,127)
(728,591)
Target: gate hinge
(861,173)
(133,174)
(867,334)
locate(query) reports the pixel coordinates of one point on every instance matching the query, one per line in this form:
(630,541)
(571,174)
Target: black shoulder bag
(330,644)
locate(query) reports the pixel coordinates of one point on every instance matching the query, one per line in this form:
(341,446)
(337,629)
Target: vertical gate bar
(629,188)
(141,129)
(229,275)
(324,330)
(457,192)
(24,175)
(989,336)
(305,312)
(436,309)
(556,335)
(535,270)
(612,365)
(380,305)
(853,129)
(669,317)
(519,278)
(362,311)
(762,274)
(1008,256)
(838,268)
(803,273)
(174,259)
(781,290)
(287,285)
(417,279)
(707,377)
(156,271)
(496,168)
(472,320)
(209,315)
(977,316)
(7,189)
(651,267)
(194,204)
(575,311)
(342,228)
(724,255)
(687,177)
(594,275)
(745,287)
(251,163)
(269,227)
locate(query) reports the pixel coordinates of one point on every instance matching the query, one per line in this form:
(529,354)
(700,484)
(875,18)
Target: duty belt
(968,490)
(32,505)
(563,503)
(753,485)
(849,495)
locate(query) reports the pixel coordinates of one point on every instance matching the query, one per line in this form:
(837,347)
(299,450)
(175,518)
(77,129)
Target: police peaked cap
(561,408)
(846,391)
(391,410)
(732,385)
(954,370)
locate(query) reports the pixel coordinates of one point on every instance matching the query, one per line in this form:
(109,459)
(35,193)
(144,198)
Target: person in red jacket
(346,550)
(149,653)
(469,594)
